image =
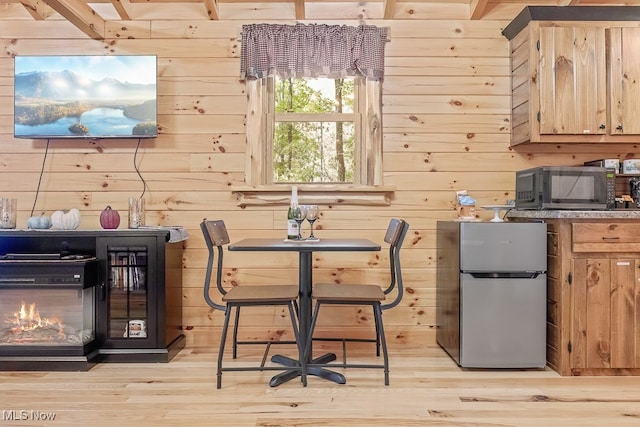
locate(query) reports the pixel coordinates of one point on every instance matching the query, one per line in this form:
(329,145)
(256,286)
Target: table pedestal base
(312,370)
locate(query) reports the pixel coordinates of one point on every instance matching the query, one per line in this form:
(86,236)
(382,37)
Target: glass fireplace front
(46,317)
(47,310)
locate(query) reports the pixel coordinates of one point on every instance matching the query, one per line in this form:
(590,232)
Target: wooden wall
(446,128)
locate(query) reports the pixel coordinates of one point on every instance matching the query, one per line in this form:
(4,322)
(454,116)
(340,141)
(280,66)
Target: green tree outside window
(314,131)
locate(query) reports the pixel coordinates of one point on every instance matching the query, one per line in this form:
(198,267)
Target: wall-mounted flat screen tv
(84,96)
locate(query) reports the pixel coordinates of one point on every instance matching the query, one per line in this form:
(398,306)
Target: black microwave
(566,187)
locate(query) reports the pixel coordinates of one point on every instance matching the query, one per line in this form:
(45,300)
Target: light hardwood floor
(427,389)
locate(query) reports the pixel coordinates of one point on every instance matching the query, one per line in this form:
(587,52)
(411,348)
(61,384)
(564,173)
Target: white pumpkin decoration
(65,219)
(40,222)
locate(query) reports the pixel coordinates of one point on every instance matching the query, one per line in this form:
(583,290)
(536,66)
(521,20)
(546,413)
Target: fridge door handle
(504,275)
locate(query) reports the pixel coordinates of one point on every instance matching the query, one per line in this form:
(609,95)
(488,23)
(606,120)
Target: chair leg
(378,315)
(223,338)
(377,334)
(235,333)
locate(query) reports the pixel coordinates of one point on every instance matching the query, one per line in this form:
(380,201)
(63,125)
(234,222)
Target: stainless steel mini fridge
(491,293)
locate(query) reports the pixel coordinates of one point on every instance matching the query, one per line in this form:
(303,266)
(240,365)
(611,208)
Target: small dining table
(305,249)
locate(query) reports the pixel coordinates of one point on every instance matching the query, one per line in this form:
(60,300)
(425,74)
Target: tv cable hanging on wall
(135,165)
(44,160)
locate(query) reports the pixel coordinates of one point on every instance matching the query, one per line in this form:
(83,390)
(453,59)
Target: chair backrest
(396,231)
(216,232)
(215,236)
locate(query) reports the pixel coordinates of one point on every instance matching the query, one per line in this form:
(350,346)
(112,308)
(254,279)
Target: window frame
(367,188)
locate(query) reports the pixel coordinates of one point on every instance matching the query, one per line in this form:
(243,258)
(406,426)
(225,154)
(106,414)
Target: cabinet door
(603,307)
(572,81)
(625,323)
(127,305)
(624,80)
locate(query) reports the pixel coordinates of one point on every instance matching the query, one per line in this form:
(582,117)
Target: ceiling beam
(124,9)
(38,10)
(389,7)
(300,10)
(80,15)
(476,8)
(212,9)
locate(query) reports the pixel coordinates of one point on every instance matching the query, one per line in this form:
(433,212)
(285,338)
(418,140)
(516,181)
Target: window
(316,130)
(331,150)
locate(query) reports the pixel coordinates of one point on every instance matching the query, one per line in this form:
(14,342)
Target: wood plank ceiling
(91,19)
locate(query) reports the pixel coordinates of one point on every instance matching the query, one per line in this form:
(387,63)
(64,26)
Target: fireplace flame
(29,319)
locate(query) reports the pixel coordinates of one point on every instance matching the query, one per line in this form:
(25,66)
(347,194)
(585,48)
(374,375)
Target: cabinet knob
(602,126)
(619,127)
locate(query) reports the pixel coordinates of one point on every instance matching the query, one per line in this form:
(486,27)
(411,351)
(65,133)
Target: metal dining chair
(364,294)
(216,236)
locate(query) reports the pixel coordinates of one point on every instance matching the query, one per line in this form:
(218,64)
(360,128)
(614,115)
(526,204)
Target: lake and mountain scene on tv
(85,96)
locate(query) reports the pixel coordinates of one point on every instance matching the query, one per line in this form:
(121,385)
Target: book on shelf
(128,270)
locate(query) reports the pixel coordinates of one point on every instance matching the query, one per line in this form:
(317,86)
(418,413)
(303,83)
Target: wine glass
(299,214)
(312,215)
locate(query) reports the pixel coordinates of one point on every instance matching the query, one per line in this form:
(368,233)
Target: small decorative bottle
(292,225)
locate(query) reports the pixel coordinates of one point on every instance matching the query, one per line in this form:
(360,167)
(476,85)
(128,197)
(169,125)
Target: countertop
(543,214)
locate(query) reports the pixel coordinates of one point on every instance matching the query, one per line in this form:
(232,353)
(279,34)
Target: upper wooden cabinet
(571,81)
(624,80)
(575,81)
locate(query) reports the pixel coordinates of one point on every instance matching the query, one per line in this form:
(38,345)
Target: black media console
(134,312)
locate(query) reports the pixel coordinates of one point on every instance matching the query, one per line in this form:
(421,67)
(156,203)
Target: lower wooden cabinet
(602,334)
(593,299)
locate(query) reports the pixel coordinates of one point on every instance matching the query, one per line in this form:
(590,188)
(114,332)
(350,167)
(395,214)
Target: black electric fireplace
(47,313)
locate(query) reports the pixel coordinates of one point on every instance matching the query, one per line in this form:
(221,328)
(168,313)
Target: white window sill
(319,194)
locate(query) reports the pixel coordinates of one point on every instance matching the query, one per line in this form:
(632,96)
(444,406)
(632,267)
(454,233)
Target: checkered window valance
(312,50)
